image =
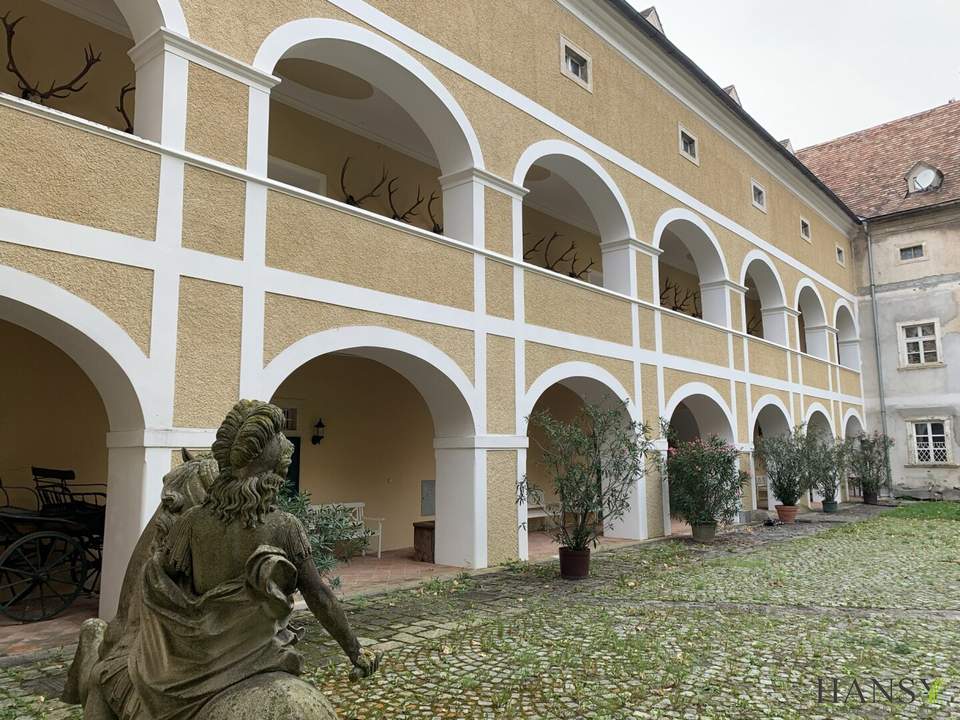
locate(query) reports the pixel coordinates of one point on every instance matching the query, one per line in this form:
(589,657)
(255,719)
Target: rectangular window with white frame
(805,231)
(930,441)
(758,195)
(841,256)
(576,64)
(920,344)
(689,145)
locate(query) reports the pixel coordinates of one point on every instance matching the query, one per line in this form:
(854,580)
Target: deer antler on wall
(410,211)
(348,197)
(31,91)
(437,225)
(563,257)
(755,326)
(676,298)
(580,274)
(122,107)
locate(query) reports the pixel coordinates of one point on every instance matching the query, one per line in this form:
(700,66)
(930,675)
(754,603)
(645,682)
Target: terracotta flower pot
(787,513)
(830,506)
(574,564)
(704,532)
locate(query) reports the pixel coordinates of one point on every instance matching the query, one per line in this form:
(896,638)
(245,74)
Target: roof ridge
(862,131)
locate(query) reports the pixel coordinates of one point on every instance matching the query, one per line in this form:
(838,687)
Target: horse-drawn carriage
(50,544)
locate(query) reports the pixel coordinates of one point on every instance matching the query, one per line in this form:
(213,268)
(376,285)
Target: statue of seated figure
(203,625)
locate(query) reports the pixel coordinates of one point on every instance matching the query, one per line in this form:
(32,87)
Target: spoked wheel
(41,575)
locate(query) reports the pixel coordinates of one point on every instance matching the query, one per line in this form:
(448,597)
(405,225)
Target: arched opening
(563,392)
(852,430)
(770,421)
(820,429)
(764,302)
(572,214)
(357,119)
(696,412)
(73,56)
(812,322)
(848,341)
(387,434)
(692,272)
(63,391)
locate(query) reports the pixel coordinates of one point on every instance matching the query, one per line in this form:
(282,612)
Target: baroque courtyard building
(902,179)
(410,225)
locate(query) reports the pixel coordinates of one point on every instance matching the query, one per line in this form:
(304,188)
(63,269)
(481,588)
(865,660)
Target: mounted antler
(437,225)
(676,298)
(33,92)
(563,257)
(527,254)
(410,211)
(122,107)
(755,326)
(348,197)
(582,273)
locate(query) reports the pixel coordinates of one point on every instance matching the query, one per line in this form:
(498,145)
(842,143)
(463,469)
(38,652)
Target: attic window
(689,147)
(576,64)
(805,229)
(923,178)
(758,195)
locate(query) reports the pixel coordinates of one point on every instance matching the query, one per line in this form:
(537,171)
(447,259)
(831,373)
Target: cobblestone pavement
(740,629)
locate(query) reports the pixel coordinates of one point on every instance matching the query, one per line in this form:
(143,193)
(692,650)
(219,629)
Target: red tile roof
(867,169)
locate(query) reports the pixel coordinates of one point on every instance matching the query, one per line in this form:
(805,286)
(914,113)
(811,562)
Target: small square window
(919,343)
(913,252)
(291,419)
(689,147)
(576,64)
(841,256)
(805,229)
(758,195)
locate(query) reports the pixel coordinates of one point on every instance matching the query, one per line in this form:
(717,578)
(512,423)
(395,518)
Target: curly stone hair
(242,438)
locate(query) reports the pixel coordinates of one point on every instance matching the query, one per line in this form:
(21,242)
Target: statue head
(253,457)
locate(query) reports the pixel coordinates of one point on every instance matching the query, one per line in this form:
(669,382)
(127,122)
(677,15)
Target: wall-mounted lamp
(318,432)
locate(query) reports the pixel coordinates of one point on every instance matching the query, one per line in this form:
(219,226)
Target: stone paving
(741,629)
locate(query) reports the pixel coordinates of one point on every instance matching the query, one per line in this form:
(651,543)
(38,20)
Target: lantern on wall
(319,430)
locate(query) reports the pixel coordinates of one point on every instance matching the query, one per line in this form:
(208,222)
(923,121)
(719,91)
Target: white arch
(691,389)
(774,294)
(588,177)
(111,359)
(820,307)
(711,266)
(813,409)
(363,51)
(852,413)
(144,17)
(568,373)
(766,401)
(446,389)
(844,304)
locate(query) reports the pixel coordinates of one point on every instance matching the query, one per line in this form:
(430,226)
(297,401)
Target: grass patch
(926,510)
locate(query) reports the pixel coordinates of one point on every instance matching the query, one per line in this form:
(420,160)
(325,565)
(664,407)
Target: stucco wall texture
(501,506)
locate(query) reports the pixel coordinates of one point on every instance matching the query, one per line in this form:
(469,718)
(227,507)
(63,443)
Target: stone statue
(203,623)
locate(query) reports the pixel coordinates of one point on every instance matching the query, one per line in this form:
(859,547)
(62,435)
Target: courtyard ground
(759,625)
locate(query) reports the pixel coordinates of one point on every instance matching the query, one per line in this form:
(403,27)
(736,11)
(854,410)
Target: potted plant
(594,461)
(869,462)
(705,483)
(786,457)
(827,462)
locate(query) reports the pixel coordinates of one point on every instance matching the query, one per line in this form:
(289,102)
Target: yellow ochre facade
(524,229)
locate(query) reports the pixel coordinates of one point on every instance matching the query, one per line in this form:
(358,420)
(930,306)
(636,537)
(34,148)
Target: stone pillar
(850,353)
(776,323)
(715,301)
(161,94)
(819,339)
(619,258)
(134,481)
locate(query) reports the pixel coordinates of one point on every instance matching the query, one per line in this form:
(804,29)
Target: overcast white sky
(812,70)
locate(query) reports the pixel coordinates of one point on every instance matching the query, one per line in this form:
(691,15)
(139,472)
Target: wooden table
(423,540)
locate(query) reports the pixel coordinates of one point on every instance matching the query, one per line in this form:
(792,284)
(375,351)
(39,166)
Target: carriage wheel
(41,575)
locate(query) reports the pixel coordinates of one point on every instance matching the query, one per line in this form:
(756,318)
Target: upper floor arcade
(355,148)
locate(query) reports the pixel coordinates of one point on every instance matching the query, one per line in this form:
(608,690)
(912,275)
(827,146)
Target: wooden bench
(538,507)
(373,525)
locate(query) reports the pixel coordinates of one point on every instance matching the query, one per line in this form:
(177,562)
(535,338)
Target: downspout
(876,341)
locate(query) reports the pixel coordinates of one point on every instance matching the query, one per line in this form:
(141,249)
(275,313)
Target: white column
(633,524)
(161,94)
(819,338)
(661,446)
(776,323)
(850,353)
(753,482)
(620,265)
(463,207)
(134,481)
(715,301)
